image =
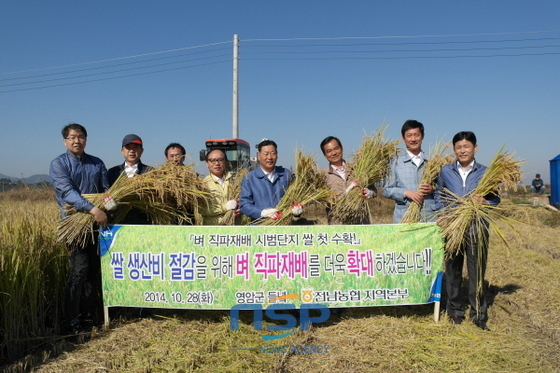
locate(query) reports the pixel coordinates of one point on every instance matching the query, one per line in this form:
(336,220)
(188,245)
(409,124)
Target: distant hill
(28,180)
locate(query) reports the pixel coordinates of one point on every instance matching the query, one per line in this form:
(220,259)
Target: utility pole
(235,86)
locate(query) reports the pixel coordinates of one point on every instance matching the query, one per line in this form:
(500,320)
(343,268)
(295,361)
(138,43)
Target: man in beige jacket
(217,183)
(339,175)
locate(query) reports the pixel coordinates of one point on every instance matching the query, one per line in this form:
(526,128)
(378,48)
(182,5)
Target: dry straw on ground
(438,159)
(370,164)
(169,194)
(308,187)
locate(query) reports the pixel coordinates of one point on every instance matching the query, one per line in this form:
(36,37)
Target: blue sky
(486,66)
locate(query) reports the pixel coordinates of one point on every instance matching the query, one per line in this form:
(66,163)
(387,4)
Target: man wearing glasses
(73,174)
(217,183)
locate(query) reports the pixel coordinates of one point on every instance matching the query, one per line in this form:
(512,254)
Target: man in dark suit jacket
(132,149)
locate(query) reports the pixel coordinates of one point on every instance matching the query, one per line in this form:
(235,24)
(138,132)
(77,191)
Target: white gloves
(109,203)
(270,214)
(368,193)
(352,185)
(297,209)
(231,204)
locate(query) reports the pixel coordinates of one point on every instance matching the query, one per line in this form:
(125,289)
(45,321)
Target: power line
(117,59)
(114,65)
(115,77)
(409,50)
(394,44)
(110,72)
(407,36)
(398,58)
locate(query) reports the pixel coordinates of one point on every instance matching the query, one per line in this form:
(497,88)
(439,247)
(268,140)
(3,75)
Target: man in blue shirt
(406,172)
(73,174)
(263,187)
(461,178)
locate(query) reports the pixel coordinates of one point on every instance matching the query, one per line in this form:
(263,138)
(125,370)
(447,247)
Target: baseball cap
(131,139)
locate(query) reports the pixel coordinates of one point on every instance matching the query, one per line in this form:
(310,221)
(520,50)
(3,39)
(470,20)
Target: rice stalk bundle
(437,160)
(233,192)
(308,186)
(369,165)
(167,195)
(461,213)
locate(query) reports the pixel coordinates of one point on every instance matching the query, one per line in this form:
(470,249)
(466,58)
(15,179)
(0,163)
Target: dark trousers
(476,268)
(83,289)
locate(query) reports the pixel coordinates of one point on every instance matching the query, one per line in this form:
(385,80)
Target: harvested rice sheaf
(168,195)
(438,159)
(233,192)
(308,186)
(370,165)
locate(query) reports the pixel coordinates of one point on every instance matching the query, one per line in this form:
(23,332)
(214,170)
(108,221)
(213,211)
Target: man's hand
(480,200)
(414,196)
(297,209)
(271,213)
(368,193)
(352,185)
(99,216)
(426,189)
(231,204)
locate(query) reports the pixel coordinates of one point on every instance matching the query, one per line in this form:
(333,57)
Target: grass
(524,319)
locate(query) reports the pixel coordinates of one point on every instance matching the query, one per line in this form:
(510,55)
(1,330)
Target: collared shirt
(130,170)
(416,159)
(270,175)
(340,171)
(464,172)
(220,180)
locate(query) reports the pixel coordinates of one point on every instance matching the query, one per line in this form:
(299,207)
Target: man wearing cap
(131,150)
(537,186)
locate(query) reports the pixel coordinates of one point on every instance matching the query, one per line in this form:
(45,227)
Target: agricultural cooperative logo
(290,325)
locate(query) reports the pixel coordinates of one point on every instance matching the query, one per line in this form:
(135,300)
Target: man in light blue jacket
(263,187)
(404,185)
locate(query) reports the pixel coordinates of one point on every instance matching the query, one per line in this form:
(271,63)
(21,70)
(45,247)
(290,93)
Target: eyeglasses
(74,138)
(216,160)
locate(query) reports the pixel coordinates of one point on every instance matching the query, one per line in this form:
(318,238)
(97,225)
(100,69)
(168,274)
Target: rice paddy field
(524,313)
